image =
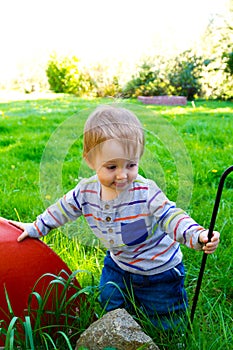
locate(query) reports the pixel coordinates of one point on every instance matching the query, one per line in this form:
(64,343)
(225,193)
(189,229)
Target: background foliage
(203,71)
(65,76)
(178,76)
(217,48)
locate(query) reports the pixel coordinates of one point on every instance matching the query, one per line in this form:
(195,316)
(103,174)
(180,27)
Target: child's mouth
(121,184)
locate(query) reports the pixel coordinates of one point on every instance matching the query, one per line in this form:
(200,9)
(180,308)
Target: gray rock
(116,329)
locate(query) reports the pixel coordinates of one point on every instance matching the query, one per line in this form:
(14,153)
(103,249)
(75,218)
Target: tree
(185,73)
(217,49)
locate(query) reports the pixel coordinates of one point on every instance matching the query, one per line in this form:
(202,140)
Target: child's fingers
(22,236)
(215,237)
(204,236)
(15,223)
(21,226)
(211,246)
(209,250)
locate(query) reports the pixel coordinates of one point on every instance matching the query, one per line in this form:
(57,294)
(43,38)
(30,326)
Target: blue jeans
(162,297)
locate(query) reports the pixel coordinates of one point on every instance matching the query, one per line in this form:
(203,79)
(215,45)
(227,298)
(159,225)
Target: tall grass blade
(8,302)
(9,343)
(66,339)
(29,333)
(48,341)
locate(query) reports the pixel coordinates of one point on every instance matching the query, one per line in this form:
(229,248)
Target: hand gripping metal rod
(211,229)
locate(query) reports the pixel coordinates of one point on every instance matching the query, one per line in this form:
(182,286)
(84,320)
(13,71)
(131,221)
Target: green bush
(149,81)
(65,76)
(176,76)
(108,87)
(106,81)
(184,73)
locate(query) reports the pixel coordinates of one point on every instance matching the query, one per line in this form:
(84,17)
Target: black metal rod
(211,229)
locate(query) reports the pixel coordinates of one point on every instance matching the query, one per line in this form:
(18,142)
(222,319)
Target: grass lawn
(187,149)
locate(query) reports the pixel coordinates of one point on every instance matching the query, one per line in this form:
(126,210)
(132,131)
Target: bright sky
(95,30)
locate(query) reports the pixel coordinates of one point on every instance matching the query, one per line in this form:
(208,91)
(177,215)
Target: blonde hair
(109,122)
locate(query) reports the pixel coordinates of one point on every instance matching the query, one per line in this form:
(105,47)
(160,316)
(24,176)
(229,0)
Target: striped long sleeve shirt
(141,228)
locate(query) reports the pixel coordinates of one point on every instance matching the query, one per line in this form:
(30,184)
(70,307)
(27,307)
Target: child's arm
(178,225)
(65,209)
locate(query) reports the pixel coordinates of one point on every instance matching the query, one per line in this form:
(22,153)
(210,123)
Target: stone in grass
(117,329)
(163,100)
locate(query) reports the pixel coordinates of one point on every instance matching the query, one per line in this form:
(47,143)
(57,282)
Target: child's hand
(209,247)
(20,225)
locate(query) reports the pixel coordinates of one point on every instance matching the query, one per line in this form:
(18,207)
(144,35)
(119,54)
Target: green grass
(187,150)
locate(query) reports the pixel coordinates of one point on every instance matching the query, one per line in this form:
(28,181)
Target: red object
(21,266)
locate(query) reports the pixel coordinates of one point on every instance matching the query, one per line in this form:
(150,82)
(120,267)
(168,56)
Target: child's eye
(132,165)
(111,167)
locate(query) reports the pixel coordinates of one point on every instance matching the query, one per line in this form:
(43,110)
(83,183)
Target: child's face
(115,168)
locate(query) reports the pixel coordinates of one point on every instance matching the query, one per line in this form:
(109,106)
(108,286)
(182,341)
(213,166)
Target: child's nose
(121,174)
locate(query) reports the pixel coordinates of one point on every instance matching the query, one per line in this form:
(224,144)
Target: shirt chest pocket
(134,232)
